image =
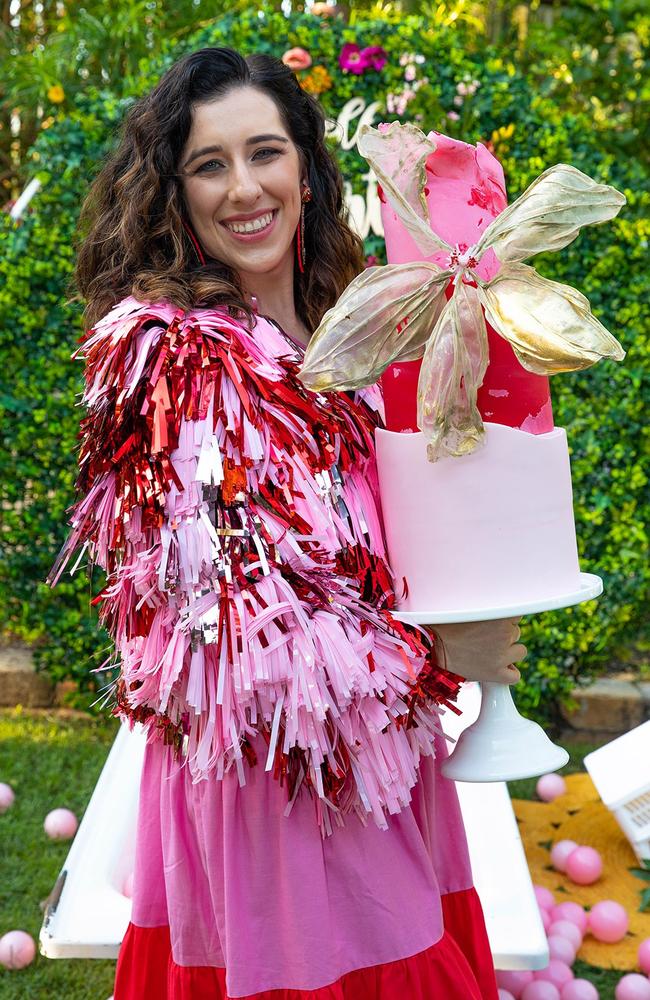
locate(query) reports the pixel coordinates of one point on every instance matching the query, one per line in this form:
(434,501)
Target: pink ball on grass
(6,797)
(556,972)
(545,898)
(560,852)
(547,919)
(60,824)
(514,980)
(506,995)
(571,911)
(608,921)
(633,987)
(584,865)
(17,949)
(643,955)
(541,990)
(579,989)
(550,787)
(561,948)
(564,928)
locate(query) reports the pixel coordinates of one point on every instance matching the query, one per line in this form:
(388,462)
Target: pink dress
(295,838)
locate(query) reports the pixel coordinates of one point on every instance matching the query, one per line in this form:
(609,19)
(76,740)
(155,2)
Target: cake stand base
(502,745)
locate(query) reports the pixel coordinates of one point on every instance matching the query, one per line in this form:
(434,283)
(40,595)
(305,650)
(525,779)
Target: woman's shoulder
(138,340)
(130,316)
(130,312)
(133,330)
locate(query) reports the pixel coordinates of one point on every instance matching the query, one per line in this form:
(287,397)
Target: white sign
(365,211)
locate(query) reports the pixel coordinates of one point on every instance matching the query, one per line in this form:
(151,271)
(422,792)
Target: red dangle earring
(195,242)
(300,231)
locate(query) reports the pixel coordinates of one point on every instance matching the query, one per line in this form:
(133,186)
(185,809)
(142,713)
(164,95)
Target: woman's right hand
(481,651)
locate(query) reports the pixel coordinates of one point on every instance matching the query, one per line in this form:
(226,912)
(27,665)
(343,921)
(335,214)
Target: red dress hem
(457,967)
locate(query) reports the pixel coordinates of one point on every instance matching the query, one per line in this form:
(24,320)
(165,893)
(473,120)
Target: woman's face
(240,166)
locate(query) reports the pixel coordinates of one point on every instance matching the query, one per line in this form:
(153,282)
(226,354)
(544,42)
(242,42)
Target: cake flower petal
(398,156)
(454,365)
(549,325)
(546,323)
(390,317)
(550,214)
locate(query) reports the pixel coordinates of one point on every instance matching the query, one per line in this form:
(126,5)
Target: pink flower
(453,115)
(296,59)
(357,61)
(375,56)
(371,260)
(409,73)
(352,59)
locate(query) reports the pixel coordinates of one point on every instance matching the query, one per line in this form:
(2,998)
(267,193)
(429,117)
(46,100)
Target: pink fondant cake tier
(491,529)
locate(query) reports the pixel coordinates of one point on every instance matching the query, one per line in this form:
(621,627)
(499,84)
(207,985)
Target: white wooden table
(88,914)
(501,876)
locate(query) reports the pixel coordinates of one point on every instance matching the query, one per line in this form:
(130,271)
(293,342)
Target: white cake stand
(502,745)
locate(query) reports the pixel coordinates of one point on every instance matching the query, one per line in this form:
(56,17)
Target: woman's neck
(287,319)
(273,297)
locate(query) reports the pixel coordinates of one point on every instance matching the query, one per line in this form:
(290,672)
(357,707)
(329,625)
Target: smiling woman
(295,840)
(244,205)
(220,139)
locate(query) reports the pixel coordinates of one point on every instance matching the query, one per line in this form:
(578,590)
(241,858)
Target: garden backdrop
(538,83)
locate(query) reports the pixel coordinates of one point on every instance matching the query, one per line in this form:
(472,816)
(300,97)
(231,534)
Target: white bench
(514,925)
(87,914)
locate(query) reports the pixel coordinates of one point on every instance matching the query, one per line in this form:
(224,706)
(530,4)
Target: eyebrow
(219,149)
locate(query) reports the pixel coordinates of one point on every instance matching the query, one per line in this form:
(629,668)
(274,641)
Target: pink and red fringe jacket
(236,516)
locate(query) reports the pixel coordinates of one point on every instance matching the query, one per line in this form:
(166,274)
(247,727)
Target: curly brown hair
(132,236)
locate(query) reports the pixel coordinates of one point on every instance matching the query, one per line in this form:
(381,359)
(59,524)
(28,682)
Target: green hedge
(515,107)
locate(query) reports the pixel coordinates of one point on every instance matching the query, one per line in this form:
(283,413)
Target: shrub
(514,108)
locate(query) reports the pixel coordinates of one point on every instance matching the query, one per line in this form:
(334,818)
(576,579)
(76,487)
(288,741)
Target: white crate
(621,773)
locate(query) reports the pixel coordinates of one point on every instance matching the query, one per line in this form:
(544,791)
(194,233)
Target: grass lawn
(50,760)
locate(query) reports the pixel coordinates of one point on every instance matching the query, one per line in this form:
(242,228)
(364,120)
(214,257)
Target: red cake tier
(509,394)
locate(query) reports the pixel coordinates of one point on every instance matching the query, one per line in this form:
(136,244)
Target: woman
(295,839)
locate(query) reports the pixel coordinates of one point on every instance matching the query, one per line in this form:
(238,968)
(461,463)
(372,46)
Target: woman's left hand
(481,651)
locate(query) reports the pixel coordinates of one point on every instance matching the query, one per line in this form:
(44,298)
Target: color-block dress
(295,838)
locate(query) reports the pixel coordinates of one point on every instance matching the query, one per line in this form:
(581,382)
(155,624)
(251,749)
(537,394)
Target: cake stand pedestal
(502,745)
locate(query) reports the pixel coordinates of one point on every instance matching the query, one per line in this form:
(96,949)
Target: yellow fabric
(581,816)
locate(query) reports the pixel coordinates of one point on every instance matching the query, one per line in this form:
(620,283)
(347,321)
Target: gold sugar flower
(399,312)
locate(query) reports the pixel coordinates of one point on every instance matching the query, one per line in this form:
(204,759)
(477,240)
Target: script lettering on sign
(365,210)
